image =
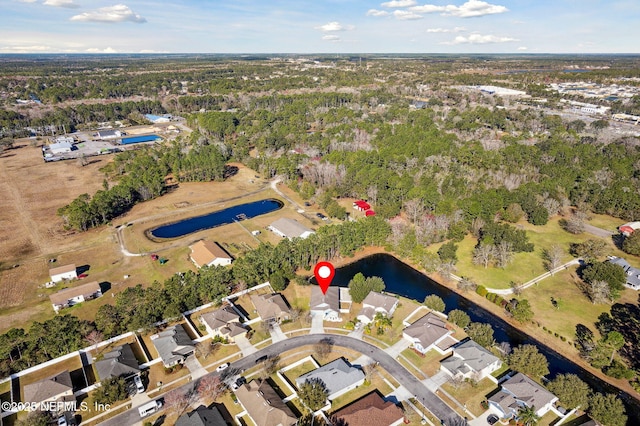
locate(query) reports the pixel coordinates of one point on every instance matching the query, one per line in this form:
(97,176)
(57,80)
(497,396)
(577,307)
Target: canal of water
(405,281)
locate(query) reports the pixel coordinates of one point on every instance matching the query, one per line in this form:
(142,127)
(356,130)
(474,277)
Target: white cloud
(399,3)
(333,27)
(405,15)
(445,30)
(69,4)
(25,49)
(27,1)
(470,9)
(107,50)
(428,8)
(374,12)
(153,51)
(480,39)
(110,14)
(331,37)
(523,48)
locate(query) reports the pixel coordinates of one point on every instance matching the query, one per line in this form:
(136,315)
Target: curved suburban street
(393,367)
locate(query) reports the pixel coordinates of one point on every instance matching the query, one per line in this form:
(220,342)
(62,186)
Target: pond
(405,281)
(217,218)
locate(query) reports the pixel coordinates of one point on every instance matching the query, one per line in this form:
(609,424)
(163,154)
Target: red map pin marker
(324,272)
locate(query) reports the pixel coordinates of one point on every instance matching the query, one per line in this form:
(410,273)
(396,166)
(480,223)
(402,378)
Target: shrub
(482,291)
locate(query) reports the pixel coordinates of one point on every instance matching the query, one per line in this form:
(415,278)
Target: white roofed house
(223,322)
(173,345)
(429,332)
(520,391)
(632,274)
(338,376)
(331,304)
(61,273)
(376,303)
(290,228)
(471,361)
(71,296)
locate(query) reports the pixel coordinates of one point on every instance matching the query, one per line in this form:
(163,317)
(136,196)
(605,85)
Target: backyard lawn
(470,394)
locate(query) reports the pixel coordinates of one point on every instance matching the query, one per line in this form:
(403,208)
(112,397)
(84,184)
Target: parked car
(492,419)
(62,420)
(222,367)
(321,216)
(138,381)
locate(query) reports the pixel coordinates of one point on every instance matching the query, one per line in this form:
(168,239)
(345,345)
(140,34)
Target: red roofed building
(370,410)
(361,205)
(369,213)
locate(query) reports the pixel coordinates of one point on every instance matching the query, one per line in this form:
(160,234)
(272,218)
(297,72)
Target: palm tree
(527,416)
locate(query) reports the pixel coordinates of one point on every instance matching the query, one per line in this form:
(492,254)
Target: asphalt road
(408,380)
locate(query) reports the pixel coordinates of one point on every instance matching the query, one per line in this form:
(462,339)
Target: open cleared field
(31,192)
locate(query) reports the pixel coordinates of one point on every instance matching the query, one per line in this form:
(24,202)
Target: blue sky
(341,26)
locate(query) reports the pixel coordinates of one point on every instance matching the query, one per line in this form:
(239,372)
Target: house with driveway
(263,405)
(331,304)
(632,274)
(62,273)
(338,376)
(224,322)
(57,388)
(74,295)
(429,332)
(376,303)
(173,345)
(520,391)
(469,360)
(271,307)
(209,253)
(119,362)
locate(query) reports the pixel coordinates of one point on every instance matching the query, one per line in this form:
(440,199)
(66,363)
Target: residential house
(521,391)
(173,345)
(370,410)
(209,253)
(71,296)
(120,362)
(289,228)
(224,322)
(263,405)
(429,332)
(61,273)
(376,303)
(470,361)
(202,416)
(326,304)
(58,388)
(338,376)
(632,274)
(271,307)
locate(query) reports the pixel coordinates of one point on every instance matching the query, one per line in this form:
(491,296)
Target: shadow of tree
(626,320)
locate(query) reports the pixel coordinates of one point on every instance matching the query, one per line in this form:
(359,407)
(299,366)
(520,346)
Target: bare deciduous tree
(178,400)
(599,292)
(503,254)
(414,209)
(210,386)
(552,257)
(466,284)
(476,226)
(483,254)
(372,194)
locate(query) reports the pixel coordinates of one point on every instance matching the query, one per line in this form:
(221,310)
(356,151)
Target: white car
(139,385)
(222,367)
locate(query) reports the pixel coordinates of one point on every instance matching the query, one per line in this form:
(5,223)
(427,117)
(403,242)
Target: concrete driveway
(195,368)
(245,345)
(317,324)
(276,333)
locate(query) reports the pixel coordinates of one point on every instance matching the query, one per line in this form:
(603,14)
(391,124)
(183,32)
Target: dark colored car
(492,419)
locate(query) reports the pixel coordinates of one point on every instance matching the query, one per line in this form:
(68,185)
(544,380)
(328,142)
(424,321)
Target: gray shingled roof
(336,375)
(202,416)
(524,389)
(173,344)
(632,274)
(322,302)
(469,356)
(119,362)
(428,329)
(48,388)
(270,306)
(220,317)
